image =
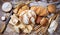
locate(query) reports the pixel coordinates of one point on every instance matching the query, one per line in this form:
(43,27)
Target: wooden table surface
(9,31)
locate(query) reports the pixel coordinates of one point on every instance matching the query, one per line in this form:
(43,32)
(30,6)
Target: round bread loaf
(51,8)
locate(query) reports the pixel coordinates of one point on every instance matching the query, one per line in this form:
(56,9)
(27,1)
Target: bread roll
(40,11)
(34,8)
(51,8)
(18,7)
(44,21)
(25,7)
(20,10)
(43,12)
(21,26)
